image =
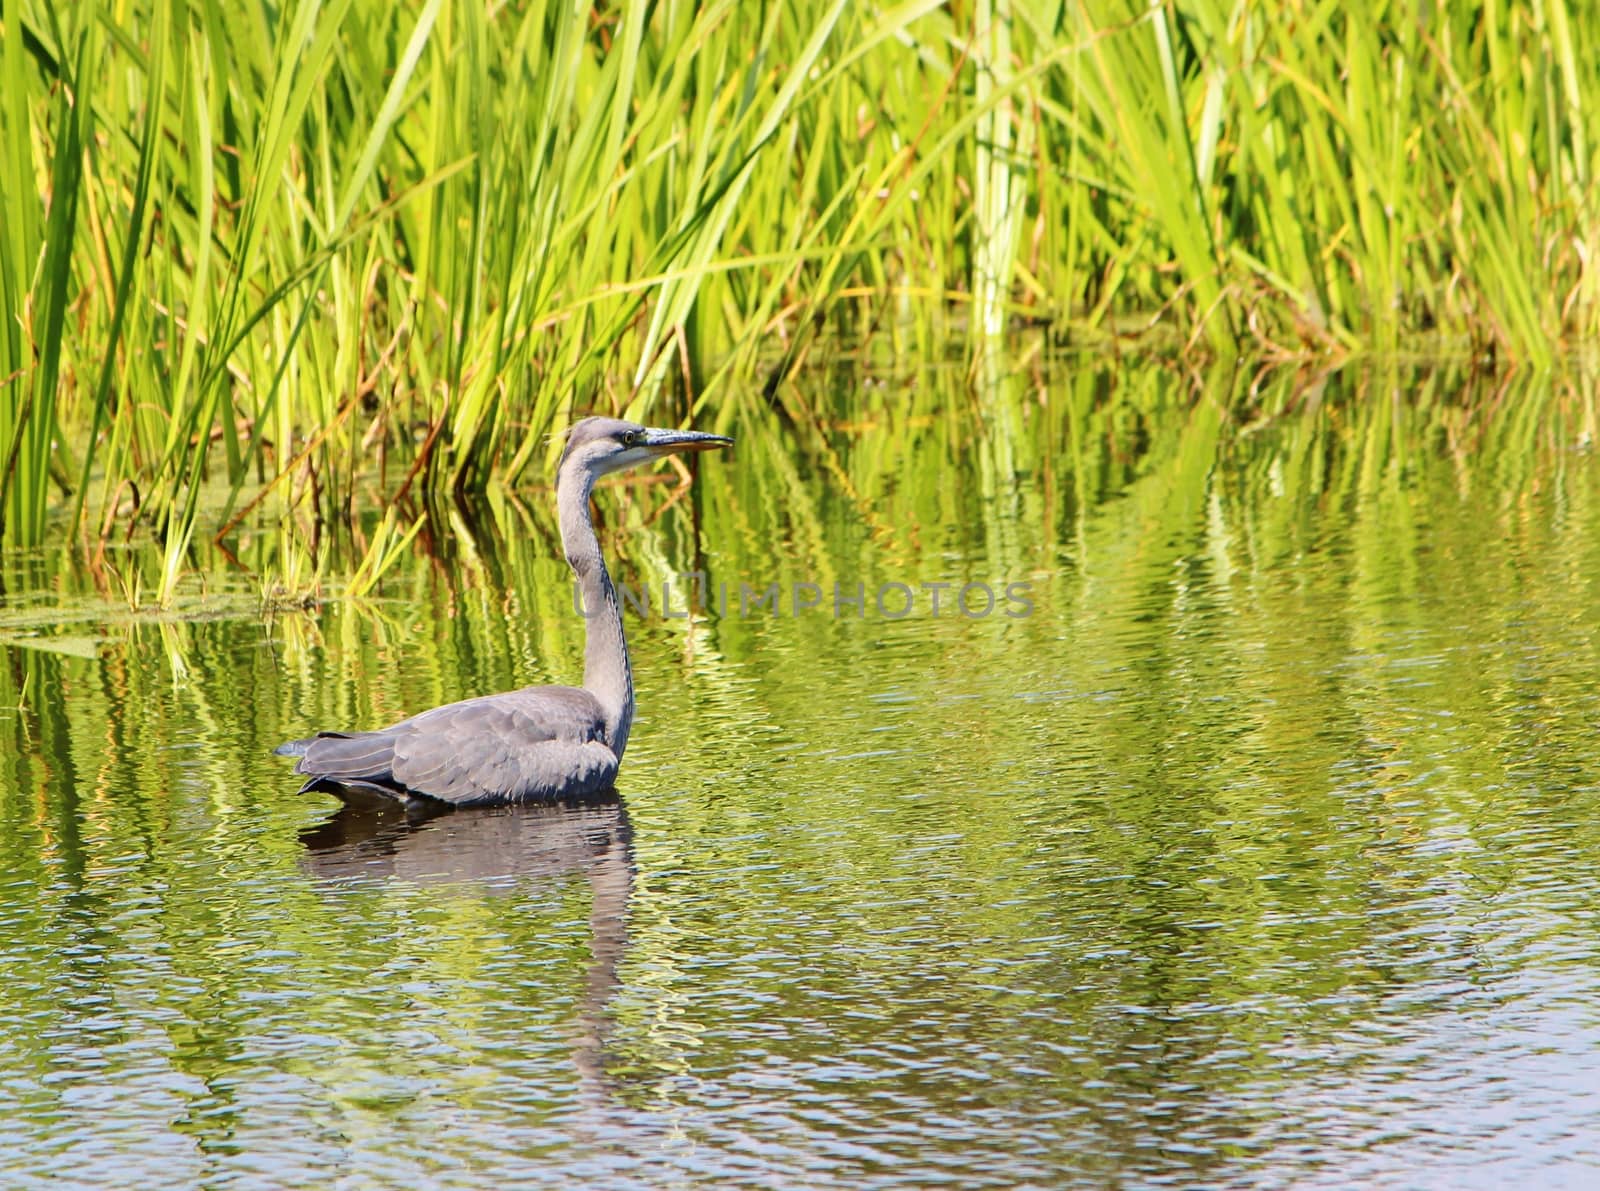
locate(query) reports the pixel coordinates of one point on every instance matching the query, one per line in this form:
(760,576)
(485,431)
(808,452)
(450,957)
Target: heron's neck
(606,673)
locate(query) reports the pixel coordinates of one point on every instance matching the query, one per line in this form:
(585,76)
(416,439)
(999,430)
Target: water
(1261,853)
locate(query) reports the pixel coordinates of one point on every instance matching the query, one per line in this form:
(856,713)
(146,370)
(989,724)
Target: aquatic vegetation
(309,258)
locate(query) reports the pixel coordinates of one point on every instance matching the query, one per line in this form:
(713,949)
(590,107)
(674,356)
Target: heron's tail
(345,757)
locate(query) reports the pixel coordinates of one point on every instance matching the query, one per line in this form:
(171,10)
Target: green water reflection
(1263,851)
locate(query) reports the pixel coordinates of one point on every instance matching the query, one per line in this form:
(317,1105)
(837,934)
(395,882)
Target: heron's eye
(633,438)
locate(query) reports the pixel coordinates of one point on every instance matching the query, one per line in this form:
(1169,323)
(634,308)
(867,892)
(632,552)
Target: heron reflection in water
(537,744)
(502,847)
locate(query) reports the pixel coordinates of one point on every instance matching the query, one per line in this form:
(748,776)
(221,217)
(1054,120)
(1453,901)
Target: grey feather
(533,745)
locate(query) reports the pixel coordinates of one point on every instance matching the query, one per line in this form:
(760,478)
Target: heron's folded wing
(534,744)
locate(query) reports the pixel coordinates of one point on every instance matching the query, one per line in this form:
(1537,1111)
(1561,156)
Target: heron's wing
(536,744)
(533,744)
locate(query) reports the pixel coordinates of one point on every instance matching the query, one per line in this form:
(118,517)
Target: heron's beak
(670,442)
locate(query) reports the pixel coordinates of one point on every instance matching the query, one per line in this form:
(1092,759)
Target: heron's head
(601,445)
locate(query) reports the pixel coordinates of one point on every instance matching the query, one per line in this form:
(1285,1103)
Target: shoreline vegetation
(255,254)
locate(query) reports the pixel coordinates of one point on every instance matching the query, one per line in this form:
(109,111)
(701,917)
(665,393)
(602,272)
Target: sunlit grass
(297,260)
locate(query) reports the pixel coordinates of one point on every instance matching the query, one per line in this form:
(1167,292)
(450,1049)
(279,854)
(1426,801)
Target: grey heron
(540,743)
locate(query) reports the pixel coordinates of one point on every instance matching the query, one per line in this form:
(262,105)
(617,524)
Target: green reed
(298,259)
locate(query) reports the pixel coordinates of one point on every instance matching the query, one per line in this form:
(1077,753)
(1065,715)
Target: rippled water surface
(1263,852)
